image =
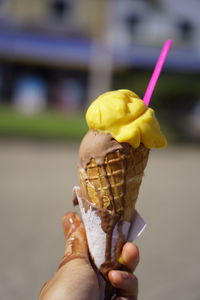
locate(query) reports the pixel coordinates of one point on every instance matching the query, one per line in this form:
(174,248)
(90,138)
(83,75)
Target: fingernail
(125,276)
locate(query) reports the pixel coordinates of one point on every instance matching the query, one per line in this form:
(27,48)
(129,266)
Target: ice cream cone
(114,185)
(109,183)
(112,159)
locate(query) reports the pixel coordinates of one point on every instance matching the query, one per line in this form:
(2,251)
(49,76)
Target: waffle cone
(110,176)
(114,185)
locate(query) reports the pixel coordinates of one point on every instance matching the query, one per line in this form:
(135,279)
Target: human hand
(75,278)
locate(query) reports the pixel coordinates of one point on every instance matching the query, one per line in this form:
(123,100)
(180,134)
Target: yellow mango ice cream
(126,117)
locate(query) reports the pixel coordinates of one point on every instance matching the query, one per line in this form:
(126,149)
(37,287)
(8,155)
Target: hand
(75,278)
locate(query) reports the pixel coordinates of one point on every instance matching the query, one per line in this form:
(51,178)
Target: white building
(140,21)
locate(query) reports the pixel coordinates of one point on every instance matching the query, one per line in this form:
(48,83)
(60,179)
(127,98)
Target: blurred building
(60,31)
(150,22)
(65,16)
(146,21)
(54,39)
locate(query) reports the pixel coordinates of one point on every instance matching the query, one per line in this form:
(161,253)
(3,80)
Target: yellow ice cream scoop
(126,117)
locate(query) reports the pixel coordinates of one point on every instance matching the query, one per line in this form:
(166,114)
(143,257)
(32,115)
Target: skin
(75,278)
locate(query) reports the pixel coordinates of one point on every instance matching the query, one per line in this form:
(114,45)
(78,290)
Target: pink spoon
(156,72)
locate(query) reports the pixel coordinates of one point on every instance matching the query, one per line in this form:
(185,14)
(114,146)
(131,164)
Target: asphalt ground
(36,180)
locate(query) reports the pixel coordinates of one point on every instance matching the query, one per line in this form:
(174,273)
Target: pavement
(36,180)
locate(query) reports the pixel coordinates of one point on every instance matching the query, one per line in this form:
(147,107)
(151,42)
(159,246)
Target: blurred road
(35,190)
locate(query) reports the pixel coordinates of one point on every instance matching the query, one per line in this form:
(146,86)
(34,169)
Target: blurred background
(55,57)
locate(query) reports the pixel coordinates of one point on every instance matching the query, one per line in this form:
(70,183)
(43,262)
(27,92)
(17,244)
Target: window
(60,9)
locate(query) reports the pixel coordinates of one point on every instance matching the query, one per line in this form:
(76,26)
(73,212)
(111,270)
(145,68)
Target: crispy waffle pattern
(115,184)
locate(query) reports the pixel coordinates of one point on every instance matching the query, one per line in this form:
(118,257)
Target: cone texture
(114,185)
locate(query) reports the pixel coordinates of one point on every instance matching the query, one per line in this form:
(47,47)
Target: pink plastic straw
(156,72)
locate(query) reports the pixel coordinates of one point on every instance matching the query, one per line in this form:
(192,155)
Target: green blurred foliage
(172,100)
(48,124)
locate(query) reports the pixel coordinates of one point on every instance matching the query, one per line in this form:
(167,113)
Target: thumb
(76,241)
